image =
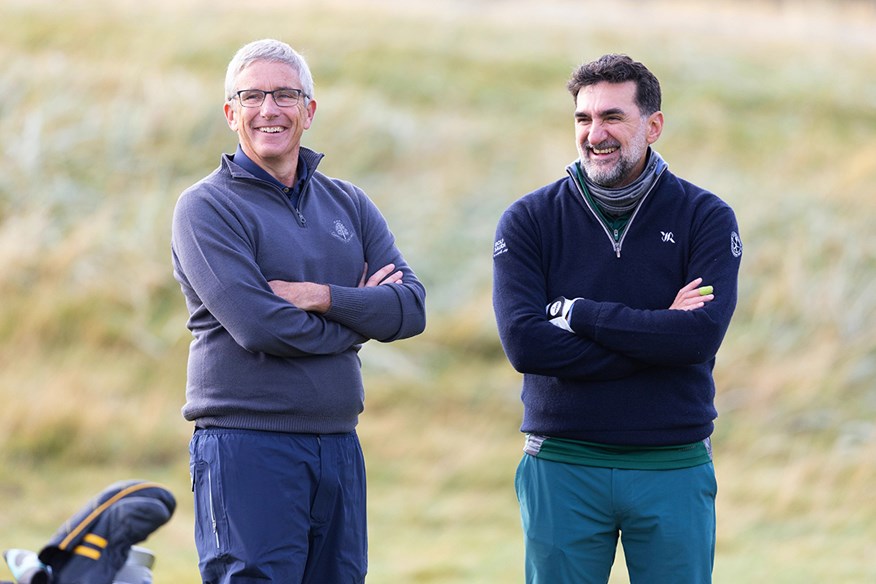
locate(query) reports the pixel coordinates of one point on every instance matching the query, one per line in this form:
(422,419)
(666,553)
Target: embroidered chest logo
(499,247)
(735,244)
(667,237)
(341,232)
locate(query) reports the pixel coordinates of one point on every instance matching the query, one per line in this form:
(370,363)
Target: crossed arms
(226,288)
(317,298)
(607,340)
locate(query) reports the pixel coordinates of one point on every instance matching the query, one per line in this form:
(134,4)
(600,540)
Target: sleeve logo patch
(499,248)
(735,244)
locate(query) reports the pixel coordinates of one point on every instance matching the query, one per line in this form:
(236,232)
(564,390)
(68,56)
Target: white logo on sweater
(667,237)
(341,232)
(735,244)
(499,247)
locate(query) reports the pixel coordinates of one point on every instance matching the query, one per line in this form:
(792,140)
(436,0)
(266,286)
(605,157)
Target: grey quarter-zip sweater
(256,361)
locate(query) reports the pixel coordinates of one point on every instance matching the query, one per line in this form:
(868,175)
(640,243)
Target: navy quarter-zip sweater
(256,361)
(634,372)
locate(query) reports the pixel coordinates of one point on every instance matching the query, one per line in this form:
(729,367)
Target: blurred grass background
(444,113)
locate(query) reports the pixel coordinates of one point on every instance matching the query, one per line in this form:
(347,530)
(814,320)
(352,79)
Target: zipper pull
(616,235)
(617,248)
(301,220)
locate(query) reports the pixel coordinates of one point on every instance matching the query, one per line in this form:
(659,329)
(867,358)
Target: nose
(597,132)
(269,107)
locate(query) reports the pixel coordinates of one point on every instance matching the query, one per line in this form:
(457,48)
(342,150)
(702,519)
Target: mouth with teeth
(603,150)
(271,129)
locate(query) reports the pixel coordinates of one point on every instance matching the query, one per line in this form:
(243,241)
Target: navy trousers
(276,507)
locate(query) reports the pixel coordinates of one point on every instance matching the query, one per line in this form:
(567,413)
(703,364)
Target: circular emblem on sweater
(735,245)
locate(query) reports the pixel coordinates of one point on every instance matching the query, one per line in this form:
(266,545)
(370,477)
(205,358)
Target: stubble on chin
(604,175)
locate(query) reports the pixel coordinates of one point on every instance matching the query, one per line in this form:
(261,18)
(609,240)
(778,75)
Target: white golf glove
(558,312)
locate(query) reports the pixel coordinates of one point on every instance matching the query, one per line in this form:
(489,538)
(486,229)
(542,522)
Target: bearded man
(613,289)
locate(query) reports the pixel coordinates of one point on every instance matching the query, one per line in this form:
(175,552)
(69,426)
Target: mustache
(601,145)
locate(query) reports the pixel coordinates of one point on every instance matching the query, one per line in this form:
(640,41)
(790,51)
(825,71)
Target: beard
(611,176)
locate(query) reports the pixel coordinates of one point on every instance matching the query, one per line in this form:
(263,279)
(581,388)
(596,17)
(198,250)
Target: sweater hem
(278,423)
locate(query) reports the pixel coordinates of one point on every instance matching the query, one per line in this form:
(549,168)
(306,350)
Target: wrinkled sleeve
(385,313)
(533,345)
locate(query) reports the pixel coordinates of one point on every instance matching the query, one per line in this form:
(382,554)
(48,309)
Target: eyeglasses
(256,97)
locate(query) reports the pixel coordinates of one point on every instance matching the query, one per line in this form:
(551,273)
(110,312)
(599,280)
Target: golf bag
(95,545)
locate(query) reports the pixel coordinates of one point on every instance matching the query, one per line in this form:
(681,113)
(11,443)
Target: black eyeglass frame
(299,95)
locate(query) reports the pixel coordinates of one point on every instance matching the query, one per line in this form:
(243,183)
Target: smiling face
(270,135)
(612,134)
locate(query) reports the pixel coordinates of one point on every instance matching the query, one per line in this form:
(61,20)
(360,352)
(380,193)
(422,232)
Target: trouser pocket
(211,526)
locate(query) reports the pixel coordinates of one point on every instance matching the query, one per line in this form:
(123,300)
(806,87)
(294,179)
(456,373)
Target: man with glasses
(613,288)
(285,272)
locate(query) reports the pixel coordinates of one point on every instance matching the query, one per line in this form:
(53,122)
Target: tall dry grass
(444,113)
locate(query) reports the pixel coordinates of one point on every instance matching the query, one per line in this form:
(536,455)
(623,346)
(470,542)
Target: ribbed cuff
(347,306)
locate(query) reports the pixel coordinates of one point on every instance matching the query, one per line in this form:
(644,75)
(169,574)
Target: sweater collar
(308,160)
(621,202)
(245,162)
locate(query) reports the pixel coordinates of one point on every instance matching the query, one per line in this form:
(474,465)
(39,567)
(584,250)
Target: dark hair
(616,68)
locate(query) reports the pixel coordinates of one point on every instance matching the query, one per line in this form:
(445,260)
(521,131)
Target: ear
(230,115)
(309,113)
(655,127)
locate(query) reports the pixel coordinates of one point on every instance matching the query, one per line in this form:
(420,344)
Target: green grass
(445,113)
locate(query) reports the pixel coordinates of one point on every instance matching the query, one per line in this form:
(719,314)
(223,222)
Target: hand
(558,312)
(304,295)
(384,275)
(692,296)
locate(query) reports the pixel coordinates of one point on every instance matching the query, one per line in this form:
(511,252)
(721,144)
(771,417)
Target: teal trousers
(573,515)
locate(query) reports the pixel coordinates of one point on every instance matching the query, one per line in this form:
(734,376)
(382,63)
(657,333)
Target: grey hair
(268,50)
